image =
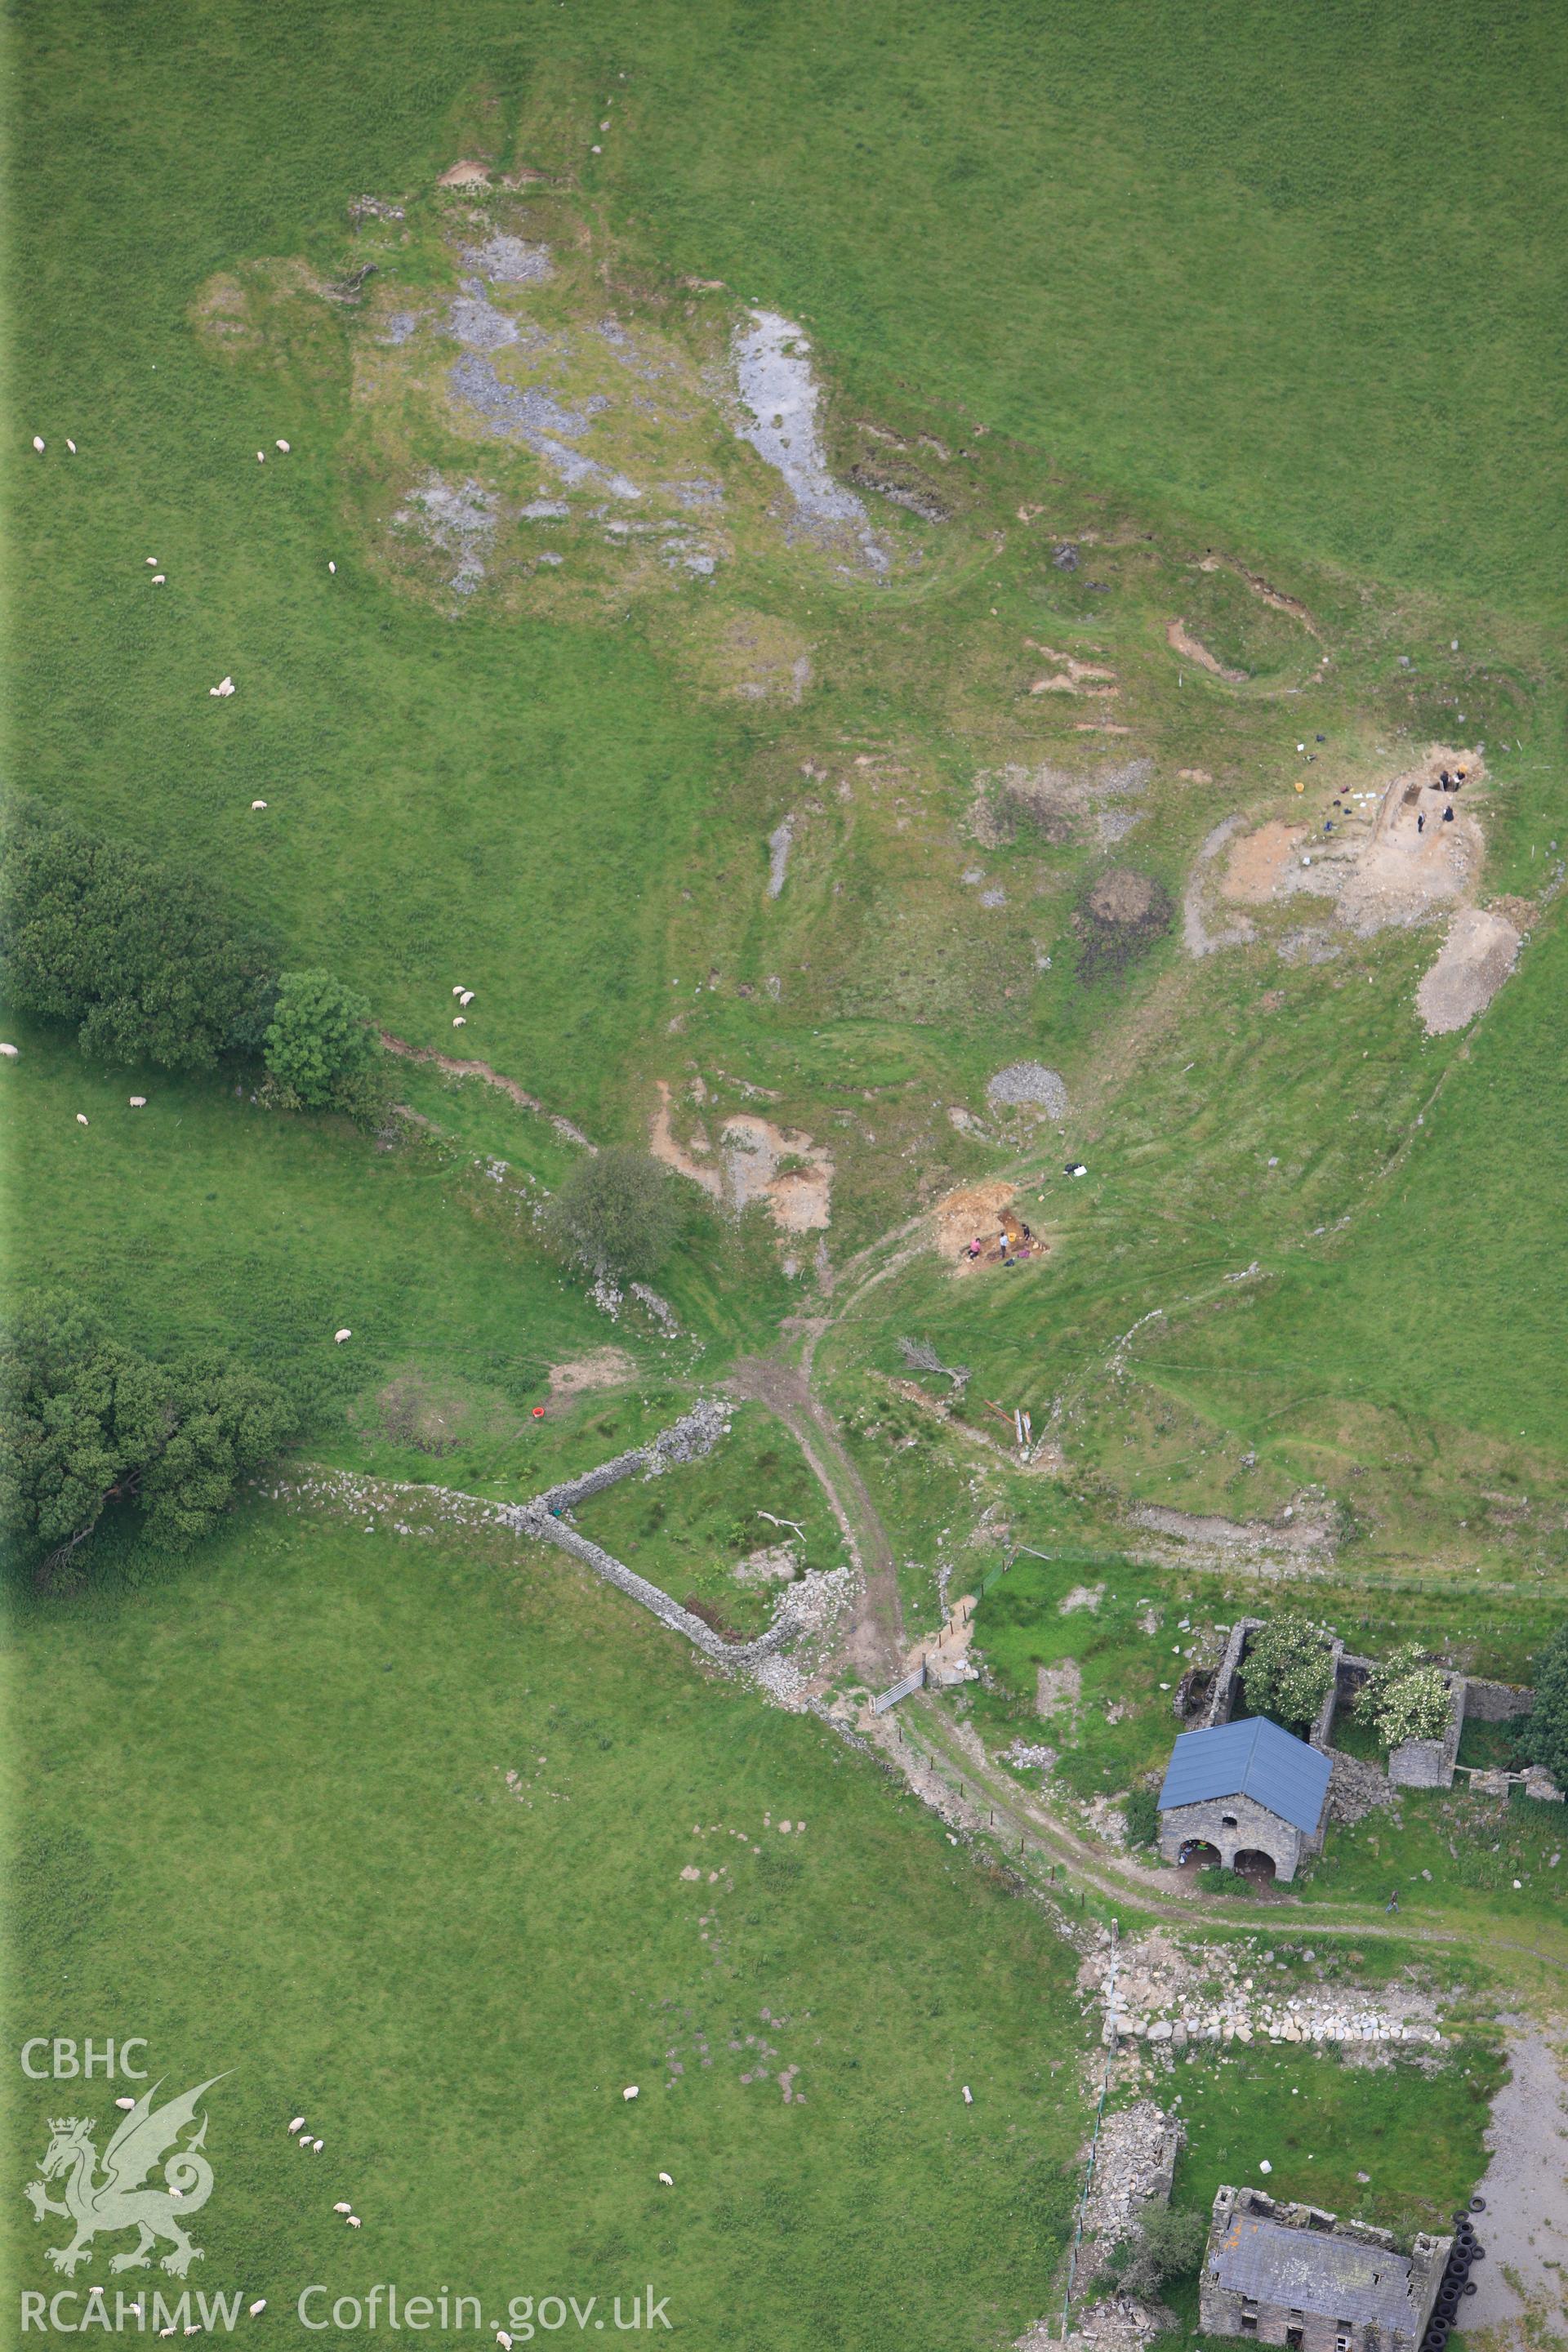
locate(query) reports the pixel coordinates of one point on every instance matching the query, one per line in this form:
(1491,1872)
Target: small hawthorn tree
(615,1213)
(322,1050)
(1405,1697)
(1287,1670)
(1167,2242)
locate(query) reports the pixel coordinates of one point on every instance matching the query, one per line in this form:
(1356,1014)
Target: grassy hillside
(330,1887)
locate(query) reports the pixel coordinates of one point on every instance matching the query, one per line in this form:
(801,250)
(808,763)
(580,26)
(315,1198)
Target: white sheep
(331,567)
(81,1118)
(318,2145)
(343,2209)
(338,1337)
(37,445)
(284,447)
(354,2222)
(70,444)
(467,998)
(458,1022)
(159,579)
(138,1102)
(10,1051)
(503,2339)
(258,804)
(630,2092)
(223,690)
(666,2180)
(459,990)
(297,2124)
(262,456)
(258,2306)
(125,2102)
(152,563)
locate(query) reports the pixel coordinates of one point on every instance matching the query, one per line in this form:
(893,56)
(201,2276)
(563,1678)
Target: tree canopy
(1287,1670)
(1405,1697)
(615,1213)
(322,1049)
(86,1422)
(1167,2242)
(1544,1736)
(131,951)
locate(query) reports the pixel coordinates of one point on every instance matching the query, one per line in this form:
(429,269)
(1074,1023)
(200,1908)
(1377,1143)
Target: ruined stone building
(1296,2277)
(1248,1792)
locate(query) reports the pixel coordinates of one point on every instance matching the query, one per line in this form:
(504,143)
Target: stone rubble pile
(1161,1995)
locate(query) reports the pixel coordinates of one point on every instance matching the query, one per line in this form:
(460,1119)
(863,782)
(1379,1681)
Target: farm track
(987,1804)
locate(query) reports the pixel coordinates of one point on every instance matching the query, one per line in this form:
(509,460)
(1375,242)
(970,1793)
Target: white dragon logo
(120,2201)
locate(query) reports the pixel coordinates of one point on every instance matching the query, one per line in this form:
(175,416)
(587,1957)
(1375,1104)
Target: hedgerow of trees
(131,952)
(86,1422)
(143,963)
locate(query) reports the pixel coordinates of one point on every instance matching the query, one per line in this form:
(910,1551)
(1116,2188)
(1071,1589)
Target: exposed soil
(1394,868)
(1259,863)
(1123,913)
(1306,1531)
(606,1368)
(1062,803)
(1059,1689)
(757,1162)
(975,1209)
(419,1412)
(1071,675)
(1196,937)
(1177,638)
(452,1068)
(1264,590)
(1471,965)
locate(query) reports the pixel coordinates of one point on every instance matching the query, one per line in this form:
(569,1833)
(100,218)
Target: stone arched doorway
(1197,1853)
(1253,1863)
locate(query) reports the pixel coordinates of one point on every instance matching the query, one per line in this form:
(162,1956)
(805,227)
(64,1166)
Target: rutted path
(874,1642)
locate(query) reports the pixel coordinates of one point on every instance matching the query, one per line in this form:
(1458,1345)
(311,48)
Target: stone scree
(1297,2276)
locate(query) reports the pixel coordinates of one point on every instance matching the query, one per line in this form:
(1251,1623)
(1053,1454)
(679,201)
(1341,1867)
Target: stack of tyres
(1456,2282)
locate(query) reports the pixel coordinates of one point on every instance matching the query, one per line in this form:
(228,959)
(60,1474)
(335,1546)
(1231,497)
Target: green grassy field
(1270,292)
(267,1823)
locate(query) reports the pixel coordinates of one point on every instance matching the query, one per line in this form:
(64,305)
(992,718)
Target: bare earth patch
(1259,862)
(606,1368)
(757,1162)
(1179,641)
(1471,965)
(975,1209)
(1059,1688)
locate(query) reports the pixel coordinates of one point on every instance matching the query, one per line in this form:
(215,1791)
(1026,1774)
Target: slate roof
(1310,2270)
(1254,1759)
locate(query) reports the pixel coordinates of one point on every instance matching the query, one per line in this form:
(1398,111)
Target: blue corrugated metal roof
(1255,1760)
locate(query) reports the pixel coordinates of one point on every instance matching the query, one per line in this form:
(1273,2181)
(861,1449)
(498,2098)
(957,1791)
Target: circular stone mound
(1030,1083)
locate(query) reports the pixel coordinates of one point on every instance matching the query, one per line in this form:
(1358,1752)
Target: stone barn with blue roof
(1246,1789)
